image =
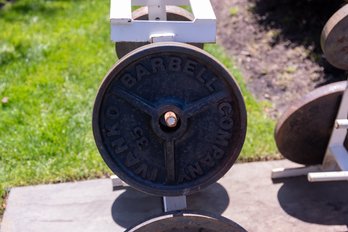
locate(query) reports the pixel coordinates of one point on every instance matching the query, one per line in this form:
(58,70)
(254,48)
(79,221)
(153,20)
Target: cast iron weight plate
(188,222)
(334,39)
(304,130)
(174,13)
(143,147)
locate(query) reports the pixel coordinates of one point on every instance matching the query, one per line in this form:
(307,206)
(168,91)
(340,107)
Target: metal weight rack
(157,29)
(335,163)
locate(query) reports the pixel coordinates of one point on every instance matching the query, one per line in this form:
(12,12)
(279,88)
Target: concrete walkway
(245,195)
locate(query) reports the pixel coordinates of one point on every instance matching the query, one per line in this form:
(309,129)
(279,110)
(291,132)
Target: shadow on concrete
(213,199)
(323,203)
(301,23)
(133,207)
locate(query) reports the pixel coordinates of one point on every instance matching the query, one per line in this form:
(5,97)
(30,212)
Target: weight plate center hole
(169,122)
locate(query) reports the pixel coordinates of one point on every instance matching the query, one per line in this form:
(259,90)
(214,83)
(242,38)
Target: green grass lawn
(53,56)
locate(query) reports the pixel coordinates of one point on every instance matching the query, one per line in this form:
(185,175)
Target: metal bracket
(335,164)
(169,203)
(161,38)
(117,183)
(125,29)
(174,203)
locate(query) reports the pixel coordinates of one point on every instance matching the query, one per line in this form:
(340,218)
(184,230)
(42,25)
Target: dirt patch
(276,44)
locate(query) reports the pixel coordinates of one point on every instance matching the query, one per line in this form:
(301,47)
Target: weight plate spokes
(174,13)
(334,39)
(189,222)
(303,132)
(169,119)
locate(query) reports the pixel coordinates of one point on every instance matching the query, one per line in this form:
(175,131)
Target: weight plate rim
(151,49)
(188,213)
(330,25)
(300,103)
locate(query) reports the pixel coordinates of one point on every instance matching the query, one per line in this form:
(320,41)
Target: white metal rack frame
(157,29)
(125,29)
(335,163)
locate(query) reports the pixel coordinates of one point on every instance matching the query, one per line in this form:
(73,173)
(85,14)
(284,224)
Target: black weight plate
(334,39)
(188,222)
(174,13)
(128,119)
(303,131)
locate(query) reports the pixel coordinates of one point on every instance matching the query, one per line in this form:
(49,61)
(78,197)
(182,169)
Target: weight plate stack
(188,222)
(169,119)
(334,39)
(303,131)
(334,42)
(174,13)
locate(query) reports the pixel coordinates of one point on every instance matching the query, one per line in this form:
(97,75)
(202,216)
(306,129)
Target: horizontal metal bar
(327,176)
(198,31)
(341,124)
(279,173)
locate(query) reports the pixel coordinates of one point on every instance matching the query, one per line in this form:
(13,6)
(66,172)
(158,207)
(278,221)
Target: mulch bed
(276,45)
